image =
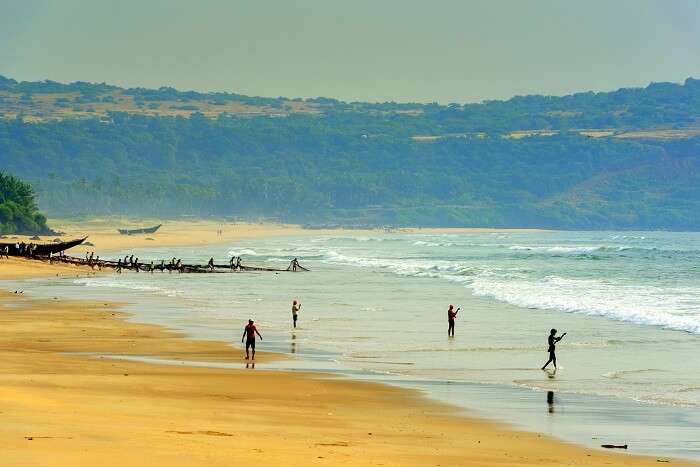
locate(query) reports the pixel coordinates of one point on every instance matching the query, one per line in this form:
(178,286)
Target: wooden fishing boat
(145,230)
(44,249)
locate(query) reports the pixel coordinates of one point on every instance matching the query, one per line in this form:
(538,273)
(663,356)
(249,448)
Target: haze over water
(376,306)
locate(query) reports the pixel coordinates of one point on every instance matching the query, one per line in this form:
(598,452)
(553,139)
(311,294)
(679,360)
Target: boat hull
(146,230)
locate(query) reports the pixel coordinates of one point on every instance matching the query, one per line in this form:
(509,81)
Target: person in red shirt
(249,333)
(451,316)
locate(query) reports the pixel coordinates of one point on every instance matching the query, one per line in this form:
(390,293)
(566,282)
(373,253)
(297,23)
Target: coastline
(57,392)
(187,415)
(102,232)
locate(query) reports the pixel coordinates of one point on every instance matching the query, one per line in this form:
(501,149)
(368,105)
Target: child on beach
(552,341)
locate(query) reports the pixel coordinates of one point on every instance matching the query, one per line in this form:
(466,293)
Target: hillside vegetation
(624,159)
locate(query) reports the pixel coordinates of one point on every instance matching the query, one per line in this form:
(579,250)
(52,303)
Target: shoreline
(103,236)
(47,363)
(359,402)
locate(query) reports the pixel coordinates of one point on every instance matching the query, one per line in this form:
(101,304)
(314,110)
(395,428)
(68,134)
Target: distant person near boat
(249,333)
(296,306)
(451,317)
(552,341)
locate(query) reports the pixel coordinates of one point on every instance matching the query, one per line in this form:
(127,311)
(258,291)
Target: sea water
(375,307)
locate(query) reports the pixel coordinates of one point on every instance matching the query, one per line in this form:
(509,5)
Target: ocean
(374,307)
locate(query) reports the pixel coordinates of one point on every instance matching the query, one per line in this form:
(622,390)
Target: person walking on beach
(451,316)
(249,333)
(296,306)
(552,341)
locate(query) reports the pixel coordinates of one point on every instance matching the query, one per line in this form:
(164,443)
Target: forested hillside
(18,211)
(626,159)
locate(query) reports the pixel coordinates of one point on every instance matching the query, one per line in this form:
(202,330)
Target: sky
(369,50)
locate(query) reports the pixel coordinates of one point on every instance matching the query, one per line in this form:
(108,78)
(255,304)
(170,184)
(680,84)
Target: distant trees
(310,169)
(667,105)
(361,162)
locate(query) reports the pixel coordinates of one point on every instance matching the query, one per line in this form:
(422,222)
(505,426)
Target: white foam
(108,282)
(242,251)
(432,244)
(557,249)
(671,308)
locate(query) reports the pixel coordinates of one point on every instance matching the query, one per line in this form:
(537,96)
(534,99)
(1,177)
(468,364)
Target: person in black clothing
(451,317)
(552,341)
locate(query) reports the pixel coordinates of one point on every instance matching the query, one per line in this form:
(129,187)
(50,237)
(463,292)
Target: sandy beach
(103,235)
(62,402)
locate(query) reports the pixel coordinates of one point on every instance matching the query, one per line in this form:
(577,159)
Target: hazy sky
(403,50)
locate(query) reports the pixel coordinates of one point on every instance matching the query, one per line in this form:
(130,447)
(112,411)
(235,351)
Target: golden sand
(61,407)
(63,404)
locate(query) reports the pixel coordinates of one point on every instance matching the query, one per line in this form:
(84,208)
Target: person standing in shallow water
(451,316)
(552,341)
(296,306)
(249,333)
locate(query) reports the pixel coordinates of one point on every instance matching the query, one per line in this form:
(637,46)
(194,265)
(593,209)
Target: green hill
(623,159)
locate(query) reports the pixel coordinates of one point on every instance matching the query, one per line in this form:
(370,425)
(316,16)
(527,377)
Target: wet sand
(62,404)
